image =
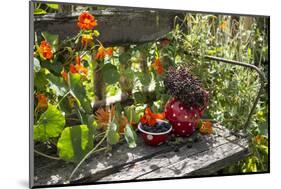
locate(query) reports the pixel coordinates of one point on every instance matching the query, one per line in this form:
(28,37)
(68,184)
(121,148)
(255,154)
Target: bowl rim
(150,133)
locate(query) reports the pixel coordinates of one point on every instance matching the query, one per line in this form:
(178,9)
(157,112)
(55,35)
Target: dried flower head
(105,115)
(182,85)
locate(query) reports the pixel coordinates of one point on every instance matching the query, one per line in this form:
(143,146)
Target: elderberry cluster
(185,87)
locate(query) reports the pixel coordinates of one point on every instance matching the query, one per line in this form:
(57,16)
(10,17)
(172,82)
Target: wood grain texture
(116,26)
(207,155)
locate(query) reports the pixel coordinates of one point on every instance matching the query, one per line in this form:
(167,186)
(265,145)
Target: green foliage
(130,136)
(110,73)
(74,143)
(53,6)
(49,125)
(39,11)
(112,133)
(232,88)
(56,84)
(79,92)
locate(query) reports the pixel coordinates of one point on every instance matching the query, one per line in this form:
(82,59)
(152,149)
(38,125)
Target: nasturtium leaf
(124,58)
(139,97)
(92,124)
(130,136)
(39,11)
(113,135)
(110,73)
(144,78)
(79,91)
(112,90)
(132,114)
(49,125)
(54,66)
(129,74)
(40,80)
(74,143)
(57,84)
(53,6)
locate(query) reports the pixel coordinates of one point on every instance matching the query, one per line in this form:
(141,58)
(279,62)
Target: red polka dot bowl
(154,139)
(184,119)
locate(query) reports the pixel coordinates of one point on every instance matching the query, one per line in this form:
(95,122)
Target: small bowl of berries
(154,130)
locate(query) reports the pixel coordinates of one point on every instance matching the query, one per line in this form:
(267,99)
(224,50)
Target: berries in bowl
(187,103)
(154,130)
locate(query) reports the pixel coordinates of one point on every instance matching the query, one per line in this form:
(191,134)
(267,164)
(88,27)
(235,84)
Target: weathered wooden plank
(146,166)
(117,26)
(101,165)
(215,157)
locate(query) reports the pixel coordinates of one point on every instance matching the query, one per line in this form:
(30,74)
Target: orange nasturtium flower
(64,75)
(102,52)
(150,118)
(45,50)
(42,101)
(206,128)
(86,21)
(72,68)
(78,67)
(158,66)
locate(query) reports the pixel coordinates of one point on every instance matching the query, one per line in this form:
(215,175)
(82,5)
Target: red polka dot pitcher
(184,119)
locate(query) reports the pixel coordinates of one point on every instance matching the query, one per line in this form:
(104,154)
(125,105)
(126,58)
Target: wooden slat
(198,163)
(141,168)
(116,26)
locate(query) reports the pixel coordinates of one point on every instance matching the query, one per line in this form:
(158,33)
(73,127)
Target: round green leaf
(57,84)
(110,73)
(74,143)
(50,124)
(79,92)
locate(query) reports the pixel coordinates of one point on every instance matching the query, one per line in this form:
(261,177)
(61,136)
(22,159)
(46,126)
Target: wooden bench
(206,156)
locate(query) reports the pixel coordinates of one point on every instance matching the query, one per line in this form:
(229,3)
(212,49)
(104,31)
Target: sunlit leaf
(74,143)
(130,136)
(57,84)
(39,11)
(113,135)
(79,91)
(50,124)
(53,6)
